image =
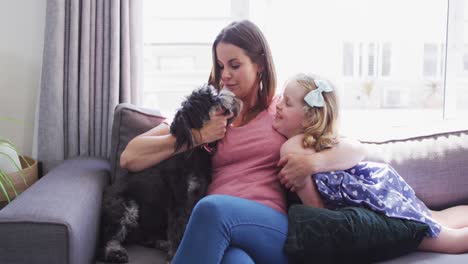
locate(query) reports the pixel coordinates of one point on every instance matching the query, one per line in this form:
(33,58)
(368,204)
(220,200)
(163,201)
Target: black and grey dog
(152,207)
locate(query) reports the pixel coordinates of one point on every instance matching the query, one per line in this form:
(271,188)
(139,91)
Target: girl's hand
(296,169)
(214,129)
(309,194)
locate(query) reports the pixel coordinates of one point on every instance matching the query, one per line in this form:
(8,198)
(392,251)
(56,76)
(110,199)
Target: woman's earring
(260,75)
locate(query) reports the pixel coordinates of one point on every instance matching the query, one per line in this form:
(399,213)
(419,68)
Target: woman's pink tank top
(245,163)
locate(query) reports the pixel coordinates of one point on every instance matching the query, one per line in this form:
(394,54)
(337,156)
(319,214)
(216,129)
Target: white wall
(21,44)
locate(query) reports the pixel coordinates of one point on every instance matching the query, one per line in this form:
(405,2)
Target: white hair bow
(315,97)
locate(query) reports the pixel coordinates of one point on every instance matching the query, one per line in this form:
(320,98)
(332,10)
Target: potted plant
(368,88)
(16,172)
(434,97)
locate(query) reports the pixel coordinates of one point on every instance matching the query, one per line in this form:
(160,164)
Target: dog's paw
(162,245)
(169,258)
(117,256)
(149,243)
(170,254)
(115,253)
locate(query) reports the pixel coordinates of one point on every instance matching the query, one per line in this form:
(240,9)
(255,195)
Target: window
(177,43)
(433,60)
(465,59)
(376,60)
(389,72)
(386,59)
(348,59)
(371,62)
(361,50)
(456,84)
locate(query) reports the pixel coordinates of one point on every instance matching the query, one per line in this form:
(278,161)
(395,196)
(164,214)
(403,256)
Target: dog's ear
(181,130)
(194,112)
(209,89)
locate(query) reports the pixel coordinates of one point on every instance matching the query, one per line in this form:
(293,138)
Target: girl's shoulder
(295,145)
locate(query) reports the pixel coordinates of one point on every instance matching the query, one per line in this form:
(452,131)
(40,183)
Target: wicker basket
(30,175)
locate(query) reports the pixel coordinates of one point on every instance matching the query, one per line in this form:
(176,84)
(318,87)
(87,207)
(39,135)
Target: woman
(243,220)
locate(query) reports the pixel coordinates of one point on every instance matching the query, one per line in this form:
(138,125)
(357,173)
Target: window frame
(446,57)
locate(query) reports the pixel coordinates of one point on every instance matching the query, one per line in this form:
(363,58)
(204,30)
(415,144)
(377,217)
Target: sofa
(56,221)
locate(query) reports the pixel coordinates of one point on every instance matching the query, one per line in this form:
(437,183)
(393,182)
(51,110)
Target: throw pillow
(129,122)
(318,235)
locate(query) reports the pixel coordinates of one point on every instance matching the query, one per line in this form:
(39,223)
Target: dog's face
(230,103)
(196,109)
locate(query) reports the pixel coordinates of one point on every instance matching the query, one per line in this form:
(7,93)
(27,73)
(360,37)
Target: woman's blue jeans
(226,229)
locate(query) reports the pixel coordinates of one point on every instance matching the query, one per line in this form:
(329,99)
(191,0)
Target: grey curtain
(92,61)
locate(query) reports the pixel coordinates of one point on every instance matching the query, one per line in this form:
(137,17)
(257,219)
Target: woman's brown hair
(247,36)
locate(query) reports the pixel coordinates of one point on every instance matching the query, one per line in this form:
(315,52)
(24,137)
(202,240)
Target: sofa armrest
(56,220)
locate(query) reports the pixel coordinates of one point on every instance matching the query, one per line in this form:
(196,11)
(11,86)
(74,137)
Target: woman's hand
(297,167)
(214,129)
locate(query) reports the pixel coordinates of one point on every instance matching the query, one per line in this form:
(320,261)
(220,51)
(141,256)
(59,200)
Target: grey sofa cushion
(420,257)
(435,165)
(129,122)
(143,255)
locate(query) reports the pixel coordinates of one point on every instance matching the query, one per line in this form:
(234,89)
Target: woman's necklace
(246,117)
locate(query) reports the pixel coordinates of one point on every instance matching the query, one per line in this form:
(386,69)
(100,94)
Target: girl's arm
(309,194)
(306,189)
(158,144)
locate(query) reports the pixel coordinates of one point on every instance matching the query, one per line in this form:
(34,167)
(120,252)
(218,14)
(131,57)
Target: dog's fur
(152,207)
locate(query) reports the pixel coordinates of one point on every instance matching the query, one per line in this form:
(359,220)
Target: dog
(152,207)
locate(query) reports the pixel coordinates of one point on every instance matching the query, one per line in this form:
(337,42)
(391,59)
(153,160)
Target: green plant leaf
(6,143)
(20,170)
(6,178)
(11,119)
(3,188)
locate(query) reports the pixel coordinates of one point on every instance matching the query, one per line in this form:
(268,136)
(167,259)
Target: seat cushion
(143,255)
(351,233)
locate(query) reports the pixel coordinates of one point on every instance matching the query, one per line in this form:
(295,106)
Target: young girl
(307,114)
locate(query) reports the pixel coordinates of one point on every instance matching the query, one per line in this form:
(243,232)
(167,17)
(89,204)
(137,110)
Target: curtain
(92,62)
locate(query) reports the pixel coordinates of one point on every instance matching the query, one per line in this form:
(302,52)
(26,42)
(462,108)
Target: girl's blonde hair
(321,124)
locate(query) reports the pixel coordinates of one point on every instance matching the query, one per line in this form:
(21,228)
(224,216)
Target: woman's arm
(297,165)
(158,144)
(148,149)
(346,154)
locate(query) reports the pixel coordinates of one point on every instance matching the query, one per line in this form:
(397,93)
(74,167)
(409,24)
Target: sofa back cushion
(436,166)
(129,122)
